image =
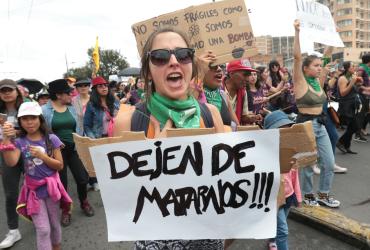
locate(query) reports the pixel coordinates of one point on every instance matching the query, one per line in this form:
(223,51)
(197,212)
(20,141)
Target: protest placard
(317,24)
(190,187)
(222,27)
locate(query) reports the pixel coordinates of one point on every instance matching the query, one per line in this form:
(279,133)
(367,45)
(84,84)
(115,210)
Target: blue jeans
(282,228)
(325,162)
(330,128)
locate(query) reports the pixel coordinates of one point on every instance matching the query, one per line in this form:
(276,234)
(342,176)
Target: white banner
(317,24)
(215,186)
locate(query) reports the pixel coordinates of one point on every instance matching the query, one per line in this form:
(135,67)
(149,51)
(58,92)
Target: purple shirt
(34,167)
(257,99)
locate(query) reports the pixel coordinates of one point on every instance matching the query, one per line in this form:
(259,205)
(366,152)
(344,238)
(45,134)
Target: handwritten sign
(222,27)
(317,24)
(192,187)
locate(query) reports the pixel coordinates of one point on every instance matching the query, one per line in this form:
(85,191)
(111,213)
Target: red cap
(242,64)
(98,80)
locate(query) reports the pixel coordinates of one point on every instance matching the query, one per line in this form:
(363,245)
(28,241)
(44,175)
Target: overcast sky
(38,35)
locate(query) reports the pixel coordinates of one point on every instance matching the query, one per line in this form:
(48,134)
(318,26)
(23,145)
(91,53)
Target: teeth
(174,75)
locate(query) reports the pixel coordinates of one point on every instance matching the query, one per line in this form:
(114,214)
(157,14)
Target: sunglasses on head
(160,57)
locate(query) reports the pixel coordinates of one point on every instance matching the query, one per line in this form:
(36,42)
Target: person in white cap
(42,193)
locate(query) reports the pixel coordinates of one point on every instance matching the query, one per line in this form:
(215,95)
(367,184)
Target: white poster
(317,24)
(215,186)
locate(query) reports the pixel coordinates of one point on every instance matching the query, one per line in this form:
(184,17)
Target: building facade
(275,48)
(352,18)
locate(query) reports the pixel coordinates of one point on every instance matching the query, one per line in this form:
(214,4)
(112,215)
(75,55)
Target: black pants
(10,178)
(352,128)
(363,114)
(72,160)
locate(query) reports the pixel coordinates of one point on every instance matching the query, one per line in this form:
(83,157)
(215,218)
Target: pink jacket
(291,184)
(28,202)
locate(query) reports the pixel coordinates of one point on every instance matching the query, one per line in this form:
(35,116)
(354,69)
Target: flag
(95,56)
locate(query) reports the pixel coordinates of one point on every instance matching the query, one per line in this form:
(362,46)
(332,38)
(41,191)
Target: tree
(111,61)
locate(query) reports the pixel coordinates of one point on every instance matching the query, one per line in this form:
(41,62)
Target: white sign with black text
(215,186)
(317,24)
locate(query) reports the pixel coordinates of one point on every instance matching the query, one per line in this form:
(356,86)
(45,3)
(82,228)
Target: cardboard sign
(190,187)
(222,27)
(297,143)
(317,24)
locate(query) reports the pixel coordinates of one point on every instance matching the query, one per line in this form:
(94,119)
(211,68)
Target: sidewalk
(351,222)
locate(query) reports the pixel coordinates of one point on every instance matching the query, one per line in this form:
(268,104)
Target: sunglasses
(161,57)
(215,67)
(6,90)
(83,85)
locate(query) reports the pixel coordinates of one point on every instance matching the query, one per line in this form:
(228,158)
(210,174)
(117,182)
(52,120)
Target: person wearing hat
(43,194)
(61,118)
(235,83)
(10,101)
(42,98)
(293,196)
(100,111)
(80,101)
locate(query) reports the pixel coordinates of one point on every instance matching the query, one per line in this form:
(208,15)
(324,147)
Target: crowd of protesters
(37,133)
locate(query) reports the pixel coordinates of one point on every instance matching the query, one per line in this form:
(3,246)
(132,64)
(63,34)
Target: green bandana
(140,93)
(366,68)
(184,114)
(213,97)
(312,81)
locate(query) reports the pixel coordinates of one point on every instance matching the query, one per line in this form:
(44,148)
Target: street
(351,189)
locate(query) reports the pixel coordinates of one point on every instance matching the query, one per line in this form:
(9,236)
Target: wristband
(8,147)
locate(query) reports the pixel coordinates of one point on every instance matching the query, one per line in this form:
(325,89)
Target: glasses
(215,67)
(161,57)
(101,86)
(83,85)
(6,90)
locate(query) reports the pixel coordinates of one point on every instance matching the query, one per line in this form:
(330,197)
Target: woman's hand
(8,130)
(297,25)
(205,59)
(158,133)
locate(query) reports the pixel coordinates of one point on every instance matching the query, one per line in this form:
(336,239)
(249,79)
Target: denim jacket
(48,113)
(93,120)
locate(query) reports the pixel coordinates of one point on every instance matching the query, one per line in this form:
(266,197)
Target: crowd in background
(233,94)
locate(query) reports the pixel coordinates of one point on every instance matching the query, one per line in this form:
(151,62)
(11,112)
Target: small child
(42,192)
(293,196)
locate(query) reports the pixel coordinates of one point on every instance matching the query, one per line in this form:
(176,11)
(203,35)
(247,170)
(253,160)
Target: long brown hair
(149,86)
(18,102)
(44,131)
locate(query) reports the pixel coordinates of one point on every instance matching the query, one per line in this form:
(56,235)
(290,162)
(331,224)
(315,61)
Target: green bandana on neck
(184,114)
(140,93)
(366,68)
(314,83)
(213,97)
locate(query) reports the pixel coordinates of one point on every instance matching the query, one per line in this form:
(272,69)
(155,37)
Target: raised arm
(298,78)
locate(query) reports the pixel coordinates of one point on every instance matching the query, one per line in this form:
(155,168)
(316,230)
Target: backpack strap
(140,118)
(225,114)
(206,115)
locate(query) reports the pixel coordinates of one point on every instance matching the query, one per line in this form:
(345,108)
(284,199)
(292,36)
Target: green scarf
(366,68)
(184,114)
(213,97)
(314,83)
(140,93)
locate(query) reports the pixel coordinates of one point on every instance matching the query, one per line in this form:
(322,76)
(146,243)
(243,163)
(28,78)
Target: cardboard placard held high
(222,27)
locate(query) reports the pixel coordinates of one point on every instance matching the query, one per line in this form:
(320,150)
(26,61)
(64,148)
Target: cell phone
(3,118)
